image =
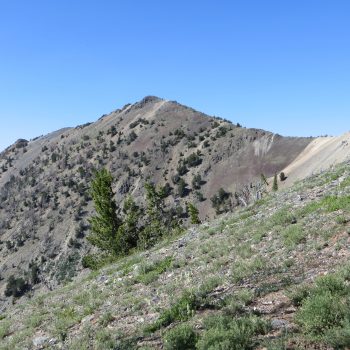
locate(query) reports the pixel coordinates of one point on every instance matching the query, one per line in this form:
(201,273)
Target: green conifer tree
(181,188)
(159,221)
(196,182)
(275,184)
(128,231)
(193,212)
(106,222)
(155,215)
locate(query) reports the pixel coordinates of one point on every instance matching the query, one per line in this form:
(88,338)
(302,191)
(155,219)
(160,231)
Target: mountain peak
(149,99)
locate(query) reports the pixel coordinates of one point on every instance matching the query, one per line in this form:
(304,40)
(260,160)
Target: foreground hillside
(44,183)
(274,275)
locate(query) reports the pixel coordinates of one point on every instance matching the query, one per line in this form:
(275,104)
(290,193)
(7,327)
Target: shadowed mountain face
(44,199)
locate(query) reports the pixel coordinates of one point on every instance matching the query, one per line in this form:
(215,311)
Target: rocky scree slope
(320,154)
(271,276)
(44,183)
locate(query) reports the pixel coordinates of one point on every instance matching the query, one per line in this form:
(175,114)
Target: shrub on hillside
(193,160)
(16,286)
(324,311)
(283,176)
(181,188)
(321,312)
(221,201)
(225,333)
(197,182)
(181,337)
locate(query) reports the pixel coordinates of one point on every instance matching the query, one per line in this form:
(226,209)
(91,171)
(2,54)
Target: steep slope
(320,154)
(260,278)
(44,183)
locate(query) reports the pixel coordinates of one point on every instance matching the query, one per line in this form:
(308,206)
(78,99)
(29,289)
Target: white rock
(40,341)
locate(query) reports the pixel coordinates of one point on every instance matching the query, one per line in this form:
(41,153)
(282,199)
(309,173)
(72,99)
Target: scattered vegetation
(324,311)
(181,337)
(150,272)
(182,310)
(223,332)
(16,286)
(230,269)
(117,235)
(221,201)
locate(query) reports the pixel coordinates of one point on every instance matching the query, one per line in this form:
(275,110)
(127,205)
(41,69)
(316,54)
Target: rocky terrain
(321,154)
(273,275)
(44,183)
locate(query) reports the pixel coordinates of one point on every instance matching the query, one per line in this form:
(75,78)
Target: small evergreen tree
(199,196)
(197,182)
(193,212)
(106,223)
(263,179)
(193,160)
(182,169)
(275,184)
(34,273)
(181,188)
(221,201)
(16,287)
(166,190)
(282,176)
(54,157)
(155,214)
(128,231)
(158,219)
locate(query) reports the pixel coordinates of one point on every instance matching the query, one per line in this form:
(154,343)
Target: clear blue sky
(278,65)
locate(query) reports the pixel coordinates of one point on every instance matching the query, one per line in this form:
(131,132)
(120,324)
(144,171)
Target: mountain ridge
(44,183)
